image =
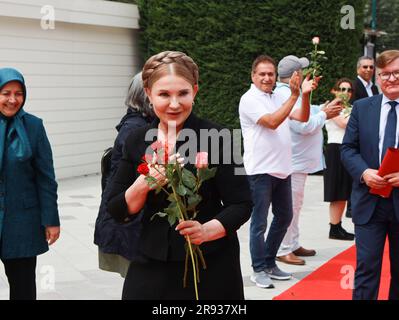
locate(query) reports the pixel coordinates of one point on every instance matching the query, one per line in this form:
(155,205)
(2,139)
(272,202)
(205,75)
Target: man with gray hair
(307,155)
(363,85)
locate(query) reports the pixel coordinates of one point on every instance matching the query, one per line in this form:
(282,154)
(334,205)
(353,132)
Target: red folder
(389,164)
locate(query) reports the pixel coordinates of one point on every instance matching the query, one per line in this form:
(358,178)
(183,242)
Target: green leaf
(173,213)
(171,198)
(193,201)
(188,178)
(206,174)
(175,179)
(169,170)
(158,189)
(172,220)
(181,190)
(151,181)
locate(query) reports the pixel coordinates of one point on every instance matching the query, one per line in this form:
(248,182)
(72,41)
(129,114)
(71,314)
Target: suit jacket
(225,197)
(360,91)
(359,151)
(28,196)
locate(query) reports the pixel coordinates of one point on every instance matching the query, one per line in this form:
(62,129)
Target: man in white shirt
(307,156)
(373,128)
(267,161)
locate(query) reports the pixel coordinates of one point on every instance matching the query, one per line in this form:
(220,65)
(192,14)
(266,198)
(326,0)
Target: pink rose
(201,160)
(316,40)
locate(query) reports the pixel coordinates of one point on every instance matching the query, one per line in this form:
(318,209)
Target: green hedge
(224,37)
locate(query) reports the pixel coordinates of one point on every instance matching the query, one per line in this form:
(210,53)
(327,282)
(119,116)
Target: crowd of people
(283,143)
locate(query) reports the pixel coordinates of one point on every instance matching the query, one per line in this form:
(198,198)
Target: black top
(110,236)
(226,197)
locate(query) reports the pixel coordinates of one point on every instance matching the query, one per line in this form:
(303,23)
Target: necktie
(390,129)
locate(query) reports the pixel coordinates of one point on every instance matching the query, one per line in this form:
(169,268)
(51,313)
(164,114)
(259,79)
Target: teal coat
(28,196)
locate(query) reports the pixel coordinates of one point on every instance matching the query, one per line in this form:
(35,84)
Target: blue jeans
(266,190)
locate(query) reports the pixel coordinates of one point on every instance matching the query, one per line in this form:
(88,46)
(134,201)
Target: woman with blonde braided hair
(170,80)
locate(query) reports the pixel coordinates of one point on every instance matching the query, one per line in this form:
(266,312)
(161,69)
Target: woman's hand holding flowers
(194,229)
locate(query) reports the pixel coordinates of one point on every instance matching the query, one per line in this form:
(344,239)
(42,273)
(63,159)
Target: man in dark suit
(373,128)
(363,85)
(363,88)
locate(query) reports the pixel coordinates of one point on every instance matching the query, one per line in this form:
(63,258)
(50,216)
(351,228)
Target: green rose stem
(313,74)
(189,246)
(166,191)
(311,91)
(184,217)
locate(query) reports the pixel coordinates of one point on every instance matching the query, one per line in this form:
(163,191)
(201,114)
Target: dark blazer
(29,192)
(359,151)
(360,91)
(109,235)
(225,197)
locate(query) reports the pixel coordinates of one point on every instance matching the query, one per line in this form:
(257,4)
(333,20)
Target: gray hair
(136,98)
(363,58)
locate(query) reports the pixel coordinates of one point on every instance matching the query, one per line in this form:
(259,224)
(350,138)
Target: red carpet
(334,280)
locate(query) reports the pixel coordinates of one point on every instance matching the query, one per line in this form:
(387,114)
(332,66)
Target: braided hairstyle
(169,62)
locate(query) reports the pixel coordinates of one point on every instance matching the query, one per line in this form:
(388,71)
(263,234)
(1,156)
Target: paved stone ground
(70,269)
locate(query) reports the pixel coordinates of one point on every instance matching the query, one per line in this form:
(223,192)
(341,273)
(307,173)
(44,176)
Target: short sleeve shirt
(266,151)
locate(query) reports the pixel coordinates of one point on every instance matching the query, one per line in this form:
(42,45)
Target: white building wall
(76,74)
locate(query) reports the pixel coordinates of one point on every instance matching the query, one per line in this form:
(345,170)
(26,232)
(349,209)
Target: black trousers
(21,275)
(370,242)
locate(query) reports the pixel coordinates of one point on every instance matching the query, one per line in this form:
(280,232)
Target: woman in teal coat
(29,219)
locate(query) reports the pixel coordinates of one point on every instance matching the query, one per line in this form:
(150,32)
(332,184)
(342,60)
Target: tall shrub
(224,37)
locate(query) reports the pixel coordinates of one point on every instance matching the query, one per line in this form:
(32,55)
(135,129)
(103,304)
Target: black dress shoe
(339,233)
(348,213)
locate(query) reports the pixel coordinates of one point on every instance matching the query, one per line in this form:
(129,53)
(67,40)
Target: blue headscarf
(15,135)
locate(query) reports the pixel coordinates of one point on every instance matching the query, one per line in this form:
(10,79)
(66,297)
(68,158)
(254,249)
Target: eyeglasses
(345,89)
(387,75)
(368,67)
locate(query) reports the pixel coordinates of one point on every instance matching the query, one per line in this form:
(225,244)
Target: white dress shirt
(385,107)
(367,85)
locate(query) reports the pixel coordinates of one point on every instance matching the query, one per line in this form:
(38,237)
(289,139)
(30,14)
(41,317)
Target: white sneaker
(262,280)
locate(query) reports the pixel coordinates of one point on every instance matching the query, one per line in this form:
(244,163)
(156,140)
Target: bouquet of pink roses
(182,189)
